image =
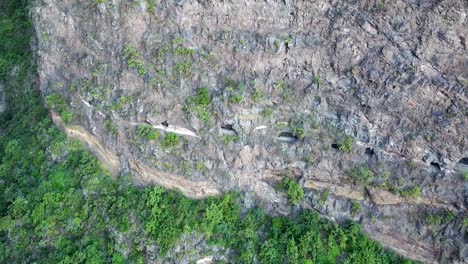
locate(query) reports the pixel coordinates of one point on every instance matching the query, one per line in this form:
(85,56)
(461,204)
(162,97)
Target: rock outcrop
(312,90)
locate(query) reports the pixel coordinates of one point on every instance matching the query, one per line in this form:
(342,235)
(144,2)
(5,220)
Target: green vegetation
(465,176)
(362,176)
(183,68)
(100,93)
(345,144)
(440,218)
(170,140)
(297,129)
(134,59)
(318,80)
(59,105)
(122,102)
(200,105)
(229,139)
(355,208)
(151,5)
(412,192)
(200,167)
(268,112)
(293,189)
(323,197)
(257,95)
(111,127)
(180,51)
(62,207)
(465,222)
(284,90)
(147,132)
(235,91)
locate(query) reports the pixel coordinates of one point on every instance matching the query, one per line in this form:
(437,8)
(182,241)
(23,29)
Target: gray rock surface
(289,80)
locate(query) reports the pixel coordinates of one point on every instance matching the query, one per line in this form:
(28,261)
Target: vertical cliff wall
(364,103)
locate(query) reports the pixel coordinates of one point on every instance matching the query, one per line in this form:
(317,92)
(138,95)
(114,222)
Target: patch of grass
(257,95)
(346,144)
(185,167)
(134,59)
(412,192)
(183,68)
(184,52)
(440,218)
(177,41)
(100,93)
(318,80)
(297,129)
(151,5)
(200,167)
(355,208)
(110,127)
(147,132)
(235,91)
(465,176)
(267,112)
(122,102)
(171,140)
(200,105)
(293,189)
(410,166)
(229,139)
(323,197)
(465,222)
(362,176)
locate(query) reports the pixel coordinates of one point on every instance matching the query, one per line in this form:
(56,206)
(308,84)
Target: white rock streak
(177,130)
(260,127)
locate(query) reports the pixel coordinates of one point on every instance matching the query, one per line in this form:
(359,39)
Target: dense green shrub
(412,192)
(170,140)
(257,95)
(229,139)
(465,176)
(200,105)
(345,144)
(134,59)
(362,176)
(147,132)
(297,129)
(355,208)
(111,127)
(234,91)
(58,104)
(293,189)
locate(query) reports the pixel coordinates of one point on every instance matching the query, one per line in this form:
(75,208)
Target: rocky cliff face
(364,103)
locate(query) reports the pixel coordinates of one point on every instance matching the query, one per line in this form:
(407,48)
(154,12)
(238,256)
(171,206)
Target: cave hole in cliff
(287,137)
(369,151)
(335,146)
(464,161)
(165,124)
(228,129)
(436,165)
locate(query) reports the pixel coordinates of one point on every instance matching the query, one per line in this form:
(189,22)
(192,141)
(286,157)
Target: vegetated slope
(57,205)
